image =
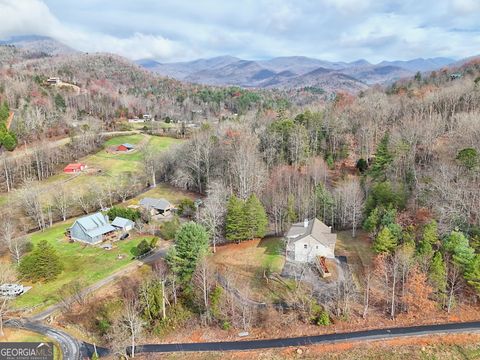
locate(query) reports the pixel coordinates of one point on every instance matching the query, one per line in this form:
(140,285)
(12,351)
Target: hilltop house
(125,147)
(54,81)
(123,224)
(157,206)
(92,229)
(74,168)
(309,240)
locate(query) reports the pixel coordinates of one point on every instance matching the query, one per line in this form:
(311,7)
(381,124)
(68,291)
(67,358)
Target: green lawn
(131,139)
(86,263)
(164,191)
(273,256)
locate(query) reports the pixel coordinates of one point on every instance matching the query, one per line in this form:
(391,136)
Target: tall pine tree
(255,216)
(383,160)
(385,241)
(438,276)
(235,222)
(191,244)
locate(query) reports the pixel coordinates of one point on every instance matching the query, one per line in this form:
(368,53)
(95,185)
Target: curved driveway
(71,348)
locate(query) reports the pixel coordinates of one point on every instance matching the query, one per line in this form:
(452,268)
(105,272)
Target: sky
(181,30)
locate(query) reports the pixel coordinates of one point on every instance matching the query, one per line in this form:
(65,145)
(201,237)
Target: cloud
(25,17)
(171,30)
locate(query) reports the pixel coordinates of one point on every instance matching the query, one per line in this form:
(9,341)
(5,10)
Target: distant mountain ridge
(288,72)
(39,44)
(293,71)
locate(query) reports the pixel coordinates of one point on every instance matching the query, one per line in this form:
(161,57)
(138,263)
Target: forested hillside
(403,164)
(106,89)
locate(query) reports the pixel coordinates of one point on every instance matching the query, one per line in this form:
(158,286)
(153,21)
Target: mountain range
(293,71)
(290,72)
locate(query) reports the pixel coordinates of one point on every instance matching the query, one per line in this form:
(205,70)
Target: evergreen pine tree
(430,233)
(191,244)
(472,273)
(385,241)
(43,263)
(235,222)
(372,221)
(291,214)
(4,112)
(438,275)
(383,159)
(255,217)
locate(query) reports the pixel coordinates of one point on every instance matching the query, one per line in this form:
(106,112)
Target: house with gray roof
(92,229)
(310,239)
(157,206)
(123,224)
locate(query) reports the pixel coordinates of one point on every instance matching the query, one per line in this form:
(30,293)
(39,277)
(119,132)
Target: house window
(305,246)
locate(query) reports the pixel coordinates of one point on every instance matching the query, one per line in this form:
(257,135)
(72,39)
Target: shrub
(126,213)
(178,315)
(468,157)
(323,319)
(141,249)
(186,207)
(169,228)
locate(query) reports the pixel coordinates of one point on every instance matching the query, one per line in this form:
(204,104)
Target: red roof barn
(74,168)
(125,147)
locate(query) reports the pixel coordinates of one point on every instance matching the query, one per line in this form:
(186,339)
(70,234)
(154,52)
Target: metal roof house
(157,206)
(123,224)
(92,229)
(310,239)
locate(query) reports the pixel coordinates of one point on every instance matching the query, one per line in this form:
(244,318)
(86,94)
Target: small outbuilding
(157,206)
(125,147)
(11,290)
(74,168)
(123,224)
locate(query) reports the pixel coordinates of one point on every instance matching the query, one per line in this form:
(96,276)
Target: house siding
(77,233)
(314,249)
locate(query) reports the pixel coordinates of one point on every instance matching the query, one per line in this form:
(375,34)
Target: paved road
(158,254)
(380,334)
(71,348)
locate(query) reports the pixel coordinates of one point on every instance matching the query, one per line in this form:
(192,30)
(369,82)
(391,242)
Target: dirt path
(10,119)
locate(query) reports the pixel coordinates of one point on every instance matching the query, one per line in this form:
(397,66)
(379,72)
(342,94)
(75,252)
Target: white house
(310,239)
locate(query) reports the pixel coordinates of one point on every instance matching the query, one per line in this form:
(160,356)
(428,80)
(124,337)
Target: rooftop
(159,204)
(315,228)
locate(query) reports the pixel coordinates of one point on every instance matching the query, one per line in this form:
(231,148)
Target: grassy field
(19,335)
(249,260)
(358,249)
(85,263)
(106,166)
(164,191)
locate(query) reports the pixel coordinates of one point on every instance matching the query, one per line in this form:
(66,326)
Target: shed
(125,147)
(157,206)
(74,168)
(122,223)
(92,229)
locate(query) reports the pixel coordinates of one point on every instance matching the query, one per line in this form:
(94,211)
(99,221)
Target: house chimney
(305,223)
